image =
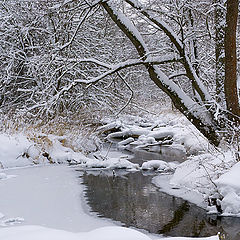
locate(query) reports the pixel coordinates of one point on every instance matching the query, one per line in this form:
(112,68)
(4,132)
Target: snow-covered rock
(162,133)
(180,133)
(159,165)
(111,163)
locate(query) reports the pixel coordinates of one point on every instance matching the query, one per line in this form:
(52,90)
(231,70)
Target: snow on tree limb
(198,85)
(129,63)
(196,113)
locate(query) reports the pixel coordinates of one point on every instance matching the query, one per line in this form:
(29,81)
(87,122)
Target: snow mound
(111,163)
(12,149)
(200,172)
(159,165)
(209,175)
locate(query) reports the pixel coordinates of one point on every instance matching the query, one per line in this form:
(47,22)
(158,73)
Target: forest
(67,58)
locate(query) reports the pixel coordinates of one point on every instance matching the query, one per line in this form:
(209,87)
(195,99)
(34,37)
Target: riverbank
(206,171)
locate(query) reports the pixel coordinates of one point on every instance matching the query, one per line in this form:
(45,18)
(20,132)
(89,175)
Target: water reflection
(167,154)
(132,199)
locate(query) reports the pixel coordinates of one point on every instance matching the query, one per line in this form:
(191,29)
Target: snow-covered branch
(202,120)
(120,66)
(198,85)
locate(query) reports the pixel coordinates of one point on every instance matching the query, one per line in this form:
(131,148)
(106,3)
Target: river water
(132,199)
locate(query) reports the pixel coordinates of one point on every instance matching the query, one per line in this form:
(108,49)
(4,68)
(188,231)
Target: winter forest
(120,119)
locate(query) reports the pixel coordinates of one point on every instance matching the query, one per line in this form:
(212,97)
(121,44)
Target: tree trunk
(220,23)
(194,112)
(230,84)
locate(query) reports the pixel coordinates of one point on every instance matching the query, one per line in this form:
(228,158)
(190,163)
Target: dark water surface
(132,199)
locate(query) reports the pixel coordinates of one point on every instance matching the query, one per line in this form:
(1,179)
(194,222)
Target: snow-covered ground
(106,233)
(49,196)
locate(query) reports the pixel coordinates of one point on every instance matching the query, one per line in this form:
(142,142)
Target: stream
(132,199)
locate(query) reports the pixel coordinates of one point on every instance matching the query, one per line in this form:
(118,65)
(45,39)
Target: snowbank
(200,172)
(12,149)
(19,151)
(106,233)
(229,187)
(207,177)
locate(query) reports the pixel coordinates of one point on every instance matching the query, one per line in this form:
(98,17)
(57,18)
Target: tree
(202,112)
(198,114)
(230,83)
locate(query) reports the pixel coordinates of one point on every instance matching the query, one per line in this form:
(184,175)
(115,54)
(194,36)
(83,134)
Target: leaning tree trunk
(199,116)
(230,84)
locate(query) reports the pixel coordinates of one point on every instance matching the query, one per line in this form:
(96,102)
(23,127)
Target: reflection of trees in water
(135,201)
(178,216)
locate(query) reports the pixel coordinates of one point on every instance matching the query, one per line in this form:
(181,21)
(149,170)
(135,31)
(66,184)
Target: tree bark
(230,84)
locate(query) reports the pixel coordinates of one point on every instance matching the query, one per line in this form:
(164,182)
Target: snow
(48,196)
(191,195)
(11,150)
(129,132)
(106,233)
(44,197)
(159,165)
(206,176)
(3,175)
(231,179)
(229,187)
(47,202)
(111,163)
(19,151)
(180,135)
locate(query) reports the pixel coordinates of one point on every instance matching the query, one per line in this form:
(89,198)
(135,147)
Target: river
(132,199)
